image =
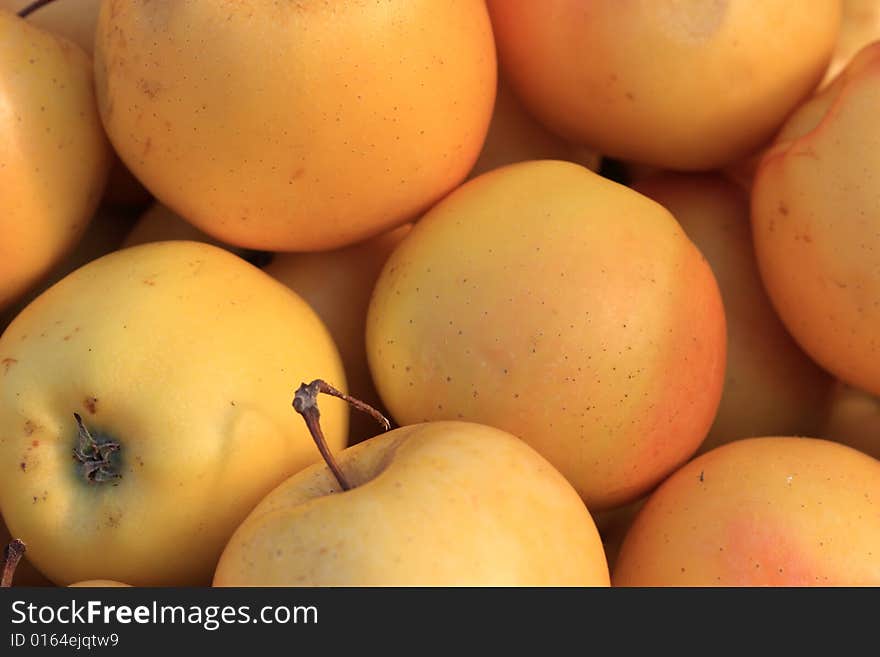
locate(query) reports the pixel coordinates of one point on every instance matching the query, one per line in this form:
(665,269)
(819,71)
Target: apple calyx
(12,554)
(305,402)
(95,458)
(31,8)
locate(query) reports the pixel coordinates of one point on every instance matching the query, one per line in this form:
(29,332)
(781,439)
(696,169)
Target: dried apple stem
(305,402)
(95,458)
(31,8)
(12,554)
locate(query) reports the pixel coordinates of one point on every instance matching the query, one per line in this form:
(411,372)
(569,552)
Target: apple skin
(775,511)
(159,223)
(267,133)
(76,20)
(338,285)
(72,19)
(435,504)
(859,26)
(573,312)
(188,357)
(54,156)
(104,234)
(685,85)
(771,387)
(815,208)
(99,583)
(515,136)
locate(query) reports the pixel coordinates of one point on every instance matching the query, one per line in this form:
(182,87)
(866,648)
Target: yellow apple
(76,20)
(573,312)
(436,504)
(54,156)
(145,410)
(775,511)
(815,211)
(286,126)
(679,84)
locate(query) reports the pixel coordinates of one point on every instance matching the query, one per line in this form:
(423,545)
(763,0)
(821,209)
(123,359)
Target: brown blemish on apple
(113,519)
(29,427)
(7,363)
(150,88)
(91,404)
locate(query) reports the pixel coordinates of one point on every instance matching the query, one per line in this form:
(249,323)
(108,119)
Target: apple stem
(12,554)
(305,402)
(31,8)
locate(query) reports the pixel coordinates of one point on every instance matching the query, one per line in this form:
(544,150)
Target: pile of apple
(612,268)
